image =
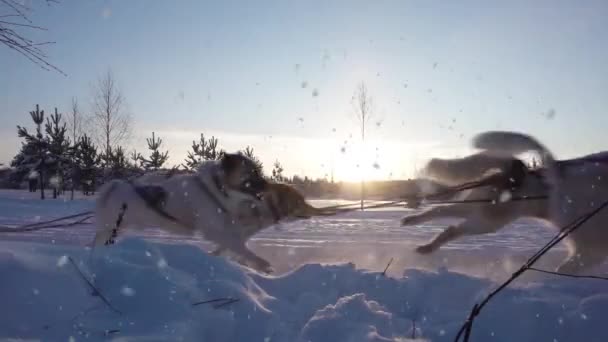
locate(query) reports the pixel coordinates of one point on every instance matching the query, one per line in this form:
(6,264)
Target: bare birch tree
(111,123)
(363,112)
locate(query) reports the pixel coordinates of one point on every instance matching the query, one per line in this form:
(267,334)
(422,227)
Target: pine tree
(277,172)
(213,152)
(59,150)
(204,149)
(40,146)
(135,159)
(248,152)
(87,161)
(24,163)
(117,163)
(157,158)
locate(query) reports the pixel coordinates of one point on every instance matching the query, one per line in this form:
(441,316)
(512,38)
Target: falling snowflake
(62,261)
(304,84)
(162,263)
(343,149)
(148,254)
(404,85)
(315,93)
(127,291)
(376,165)
(434,65)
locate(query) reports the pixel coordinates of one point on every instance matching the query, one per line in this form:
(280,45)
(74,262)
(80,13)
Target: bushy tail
(503,144)
(463,170)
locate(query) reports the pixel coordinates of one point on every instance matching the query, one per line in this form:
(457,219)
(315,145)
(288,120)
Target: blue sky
(279,75)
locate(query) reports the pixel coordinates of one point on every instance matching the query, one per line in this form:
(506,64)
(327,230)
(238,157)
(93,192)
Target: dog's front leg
(455,211)
(252,259)
(449,234)
(468,227)
(217,251)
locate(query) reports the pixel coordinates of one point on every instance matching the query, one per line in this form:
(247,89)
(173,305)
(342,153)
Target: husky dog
(226,201)
(202,202)
(503,177)
(577,186)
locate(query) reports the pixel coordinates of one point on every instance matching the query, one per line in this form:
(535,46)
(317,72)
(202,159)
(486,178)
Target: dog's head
(242,174)
(284,201)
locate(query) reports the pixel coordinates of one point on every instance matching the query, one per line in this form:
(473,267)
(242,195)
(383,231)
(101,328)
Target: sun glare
(357,162)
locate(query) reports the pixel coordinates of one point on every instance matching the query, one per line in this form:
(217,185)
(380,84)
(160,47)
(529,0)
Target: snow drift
(154,286)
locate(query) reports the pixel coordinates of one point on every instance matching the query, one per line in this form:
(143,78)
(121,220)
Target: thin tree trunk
(361,163)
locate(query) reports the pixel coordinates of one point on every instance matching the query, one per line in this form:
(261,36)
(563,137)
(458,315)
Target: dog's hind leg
(453,211)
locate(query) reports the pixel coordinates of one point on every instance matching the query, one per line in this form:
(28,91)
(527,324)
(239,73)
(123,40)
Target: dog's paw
(425,249)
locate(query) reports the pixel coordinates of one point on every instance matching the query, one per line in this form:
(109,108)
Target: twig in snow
(387,266)
(96,291)
(233,300)
(223,299)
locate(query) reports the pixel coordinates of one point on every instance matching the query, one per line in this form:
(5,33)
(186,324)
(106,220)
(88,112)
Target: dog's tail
(508,144)
(462,170)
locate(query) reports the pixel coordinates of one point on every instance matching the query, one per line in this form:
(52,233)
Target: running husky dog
(577,186)
(573,188)
(502,178)
(227,201)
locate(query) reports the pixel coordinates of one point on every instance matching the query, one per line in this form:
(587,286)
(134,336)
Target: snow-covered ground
(328,285)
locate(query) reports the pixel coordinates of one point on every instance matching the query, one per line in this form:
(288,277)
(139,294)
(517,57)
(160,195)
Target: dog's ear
(230,162)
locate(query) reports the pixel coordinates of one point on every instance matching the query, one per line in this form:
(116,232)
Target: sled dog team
(228,201)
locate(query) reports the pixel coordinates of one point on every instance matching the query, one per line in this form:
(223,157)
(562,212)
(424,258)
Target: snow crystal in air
(304,84)
(162,263)
(36,292)
(127,291)
(315,93)
(505,196)
(583,316)
(148,254)
(62,261)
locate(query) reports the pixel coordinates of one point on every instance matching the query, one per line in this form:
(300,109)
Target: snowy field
(328,284)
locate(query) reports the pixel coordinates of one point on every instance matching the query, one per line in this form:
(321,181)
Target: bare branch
(16,40)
